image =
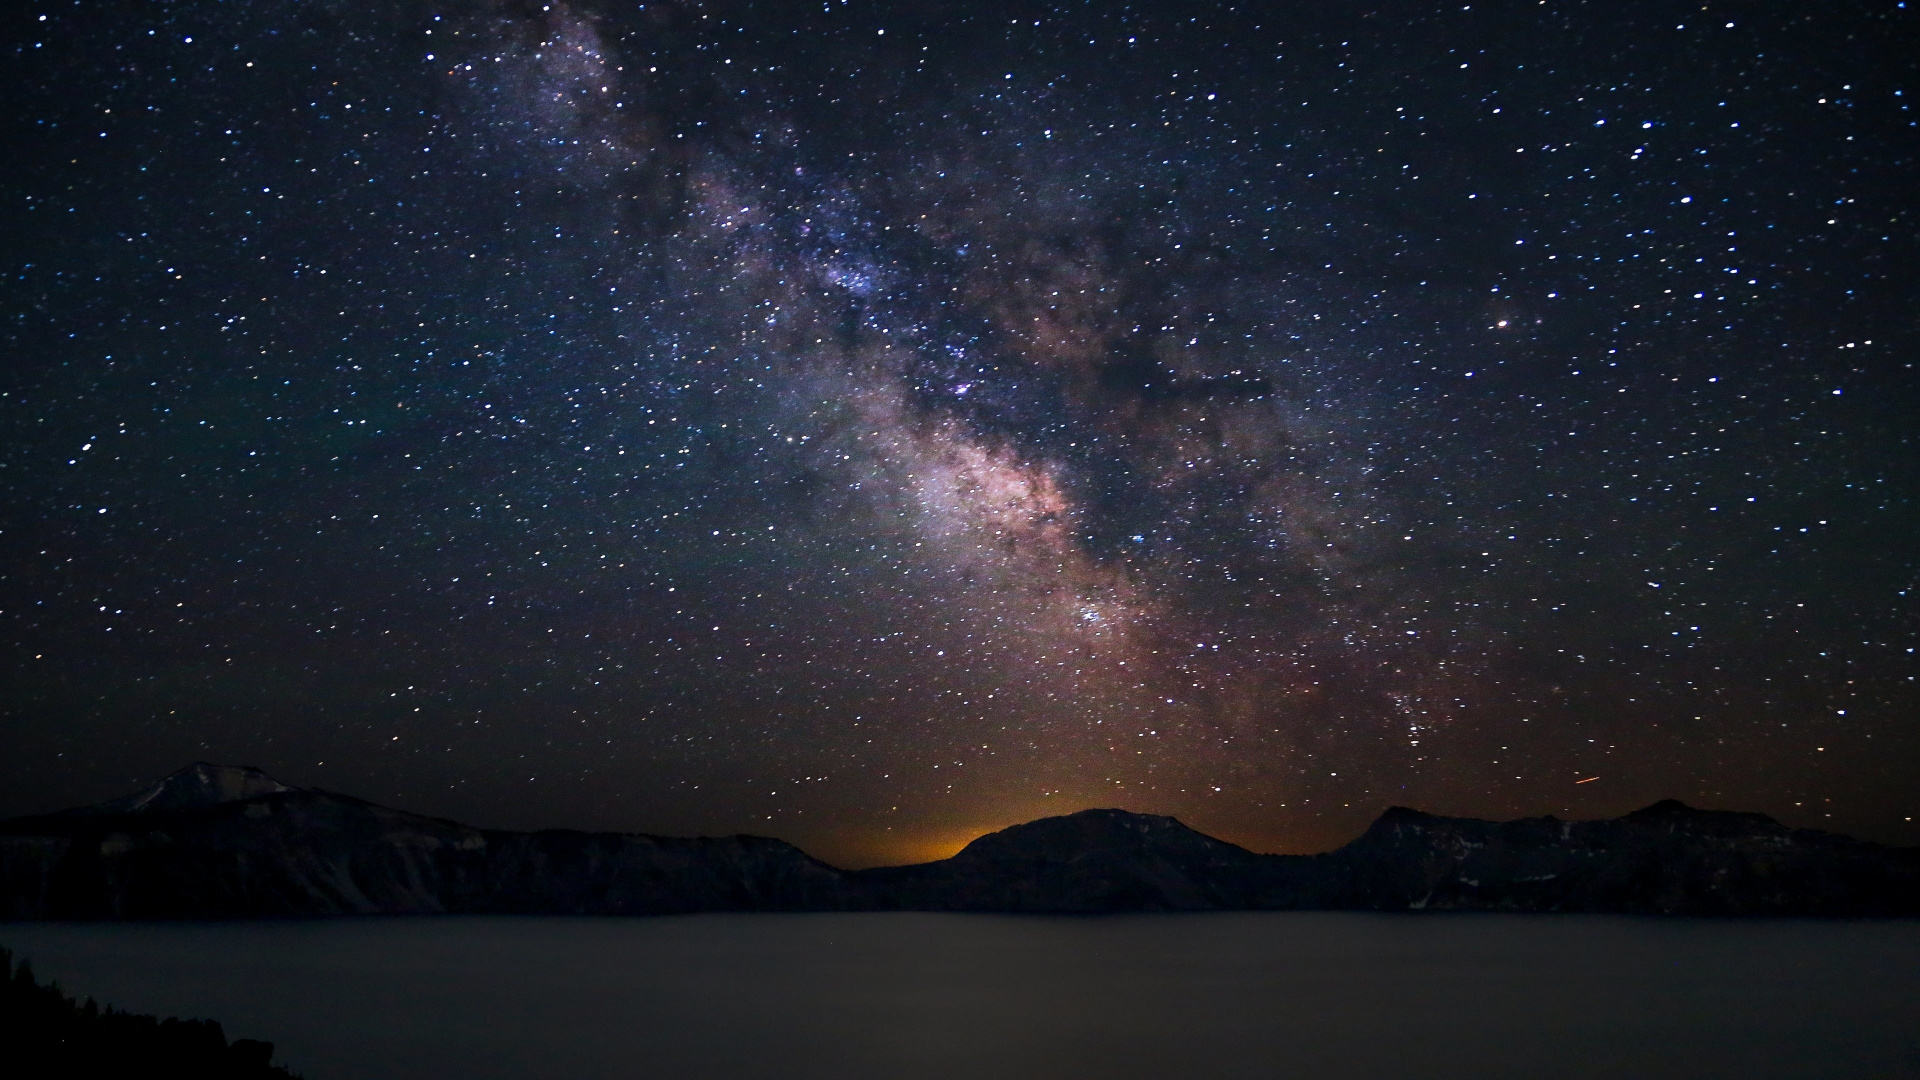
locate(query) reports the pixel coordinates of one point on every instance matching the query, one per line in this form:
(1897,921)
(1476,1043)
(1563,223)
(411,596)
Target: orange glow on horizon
(896,849)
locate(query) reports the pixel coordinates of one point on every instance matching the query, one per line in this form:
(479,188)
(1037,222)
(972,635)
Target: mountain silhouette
(224,842)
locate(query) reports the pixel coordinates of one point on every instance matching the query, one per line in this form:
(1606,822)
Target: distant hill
(223,842)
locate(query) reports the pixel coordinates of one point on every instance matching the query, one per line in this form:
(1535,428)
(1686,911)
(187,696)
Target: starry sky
(872,424)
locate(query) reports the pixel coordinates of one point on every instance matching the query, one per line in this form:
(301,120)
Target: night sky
(871,424)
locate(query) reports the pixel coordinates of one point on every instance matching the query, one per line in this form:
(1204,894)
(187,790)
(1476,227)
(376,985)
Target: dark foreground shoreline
(45,1033)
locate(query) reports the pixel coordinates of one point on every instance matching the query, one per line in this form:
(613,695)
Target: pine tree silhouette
(46,1034)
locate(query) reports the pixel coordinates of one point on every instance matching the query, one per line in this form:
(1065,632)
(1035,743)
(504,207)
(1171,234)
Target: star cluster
(872,424)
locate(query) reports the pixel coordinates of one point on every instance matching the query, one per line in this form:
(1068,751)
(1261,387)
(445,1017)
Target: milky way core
(872,424)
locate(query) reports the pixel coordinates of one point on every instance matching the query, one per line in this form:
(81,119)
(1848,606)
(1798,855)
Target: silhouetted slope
(214,842)
(290,851)
(45,1035)
(1095,860)
(1668,858)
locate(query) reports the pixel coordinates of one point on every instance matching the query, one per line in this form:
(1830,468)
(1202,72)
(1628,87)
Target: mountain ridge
(213,841)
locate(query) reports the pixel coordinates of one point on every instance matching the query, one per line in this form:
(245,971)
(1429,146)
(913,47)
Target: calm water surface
(1269,995)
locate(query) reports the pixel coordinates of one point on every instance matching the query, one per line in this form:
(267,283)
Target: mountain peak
(1672,813)
(1395,820)
(1664,808)
(1083,832)
(199,784)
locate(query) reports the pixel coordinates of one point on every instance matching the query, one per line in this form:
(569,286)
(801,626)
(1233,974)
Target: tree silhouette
(45,1033)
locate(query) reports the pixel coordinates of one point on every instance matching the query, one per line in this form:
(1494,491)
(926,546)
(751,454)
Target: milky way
(874,424)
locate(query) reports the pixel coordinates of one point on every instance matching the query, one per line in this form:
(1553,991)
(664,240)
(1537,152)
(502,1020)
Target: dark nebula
(875,423)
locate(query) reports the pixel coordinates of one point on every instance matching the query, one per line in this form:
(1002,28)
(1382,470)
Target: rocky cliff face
(237,849)
(218,842)
(1665,859)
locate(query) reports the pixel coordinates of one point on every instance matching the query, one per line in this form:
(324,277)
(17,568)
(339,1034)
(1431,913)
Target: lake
(1269,995)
